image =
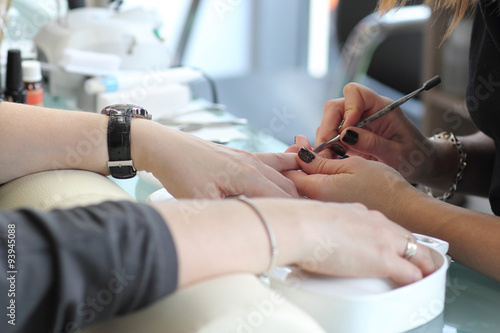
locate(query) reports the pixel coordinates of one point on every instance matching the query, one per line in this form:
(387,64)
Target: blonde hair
(460,9)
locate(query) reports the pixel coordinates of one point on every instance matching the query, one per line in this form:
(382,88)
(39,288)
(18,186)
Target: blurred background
(274,62)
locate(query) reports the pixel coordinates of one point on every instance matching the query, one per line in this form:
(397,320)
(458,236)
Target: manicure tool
(426,86)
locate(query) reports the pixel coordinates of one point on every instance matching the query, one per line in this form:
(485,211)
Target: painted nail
(343,157)
(350,137)
(294,140)
(306,156)
(337,149)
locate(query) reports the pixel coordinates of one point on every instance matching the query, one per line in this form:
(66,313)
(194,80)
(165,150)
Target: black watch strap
(120,160)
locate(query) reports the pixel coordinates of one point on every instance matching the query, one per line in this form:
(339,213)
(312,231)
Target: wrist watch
(120,162)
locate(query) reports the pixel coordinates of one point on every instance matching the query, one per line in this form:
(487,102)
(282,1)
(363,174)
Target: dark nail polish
(294,140)
(343,157)
(350,137)
(337,149)
(306,156)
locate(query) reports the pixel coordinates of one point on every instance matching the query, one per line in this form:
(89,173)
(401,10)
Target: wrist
(141,137)
(410,209)
(152,145)
(293,234)
(443,166)
(208,246)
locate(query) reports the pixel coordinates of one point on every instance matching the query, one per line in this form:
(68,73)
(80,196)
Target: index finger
(333,113)
(361,102)
(423,260)
(279,161)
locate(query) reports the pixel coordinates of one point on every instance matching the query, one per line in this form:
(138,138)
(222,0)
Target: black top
(483,90)
(70,269)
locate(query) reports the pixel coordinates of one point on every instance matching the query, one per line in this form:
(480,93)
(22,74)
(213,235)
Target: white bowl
(367,305)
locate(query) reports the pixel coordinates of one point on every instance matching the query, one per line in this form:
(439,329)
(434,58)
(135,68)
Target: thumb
(315,164)
(368,143)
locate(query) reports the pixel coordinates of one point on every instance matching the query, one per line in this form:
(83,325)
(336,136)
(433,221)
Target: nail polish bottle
(14,84)
(32,77)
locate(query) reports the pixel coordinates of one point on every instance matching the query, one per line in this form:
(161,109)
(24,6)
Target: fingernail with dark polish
(294,140)
(339,150)
(343,157)
(350,137)
(306,156)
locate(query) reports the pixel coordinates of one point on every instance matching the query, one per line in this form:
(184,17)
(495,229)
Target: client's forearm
(214,238)
(38,139)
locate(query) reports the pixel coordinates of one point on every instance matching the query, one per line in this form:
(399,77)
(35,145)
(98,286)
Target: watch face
(136,111)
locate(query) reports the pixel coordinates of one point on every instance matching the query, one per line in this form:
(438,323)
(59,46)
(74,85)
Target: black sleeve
(70,269)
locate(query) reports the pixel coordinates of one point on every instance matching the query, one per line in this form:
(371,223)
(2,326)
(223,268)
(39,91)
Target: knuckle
(385,259)
(247,155)
(354,162)
(376,215)
(288,184)
(350,87)
(319,130)
(370,142)
(331,105)
(358,206)
(249,170)
(280,158)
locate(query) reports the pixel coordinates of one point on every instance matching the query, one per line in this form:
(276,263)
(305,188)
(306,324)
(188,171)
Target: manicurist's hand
(353,179)
(189,167)
(391,139)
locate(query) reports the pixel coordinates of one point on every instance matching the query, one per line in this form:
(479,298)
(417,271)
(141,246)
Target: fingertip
(302,141)
(416,275)
(350,137)
(338,149)
(406,273)
(306,155)
(423,260)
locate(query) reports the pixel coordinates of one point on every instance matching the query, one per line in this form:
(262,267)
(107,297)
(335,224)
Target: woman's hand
(392,139)
(190,167)
(356,242)
(353,179)
(344,240)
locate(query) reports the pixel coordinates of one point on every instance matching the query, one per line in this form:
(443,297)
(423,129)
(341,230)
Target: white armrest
(234,303)
(59,189)
(238,303)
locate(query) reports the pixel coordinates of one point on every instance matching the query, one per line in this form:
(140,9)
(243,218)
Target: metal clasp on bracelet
(120,164)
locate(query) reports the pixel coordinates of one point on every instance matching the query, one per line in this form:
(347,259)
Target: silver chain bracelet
(461,168)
